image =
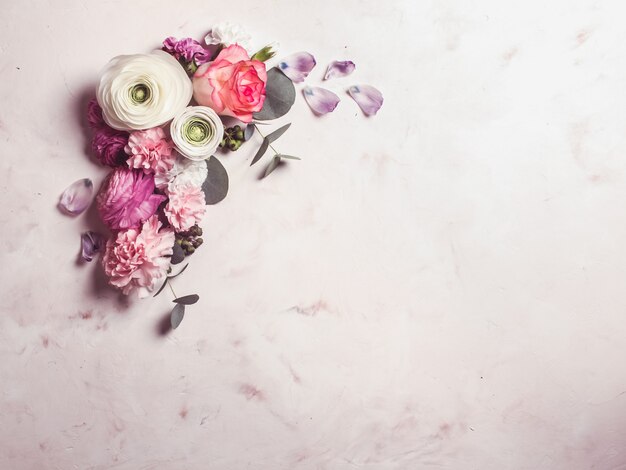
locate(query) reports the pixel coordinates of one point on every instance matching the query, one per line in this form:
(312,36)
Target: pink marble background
(441,286)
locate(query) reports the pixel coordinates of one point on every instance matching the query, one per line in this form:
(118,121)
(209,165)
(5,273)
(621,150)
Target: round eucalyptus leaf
(215,186)
(280,94)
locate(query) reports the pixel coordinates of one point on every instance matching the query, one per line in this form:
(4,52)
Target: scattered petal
(77,197)
(320,100)
(297,66)
(339,68)
(91,243)
(367,97)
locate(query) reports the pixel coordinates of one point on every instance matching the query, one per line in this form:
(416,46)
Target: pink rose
(126,199)
(233,85)
(186,207)
(135,260)
(150,151)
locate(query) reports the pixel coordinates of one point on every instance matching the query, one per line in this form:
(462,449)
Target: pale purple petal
(77,197)
(339,68)
(297,66)
(91,243)
(367,97)
(320,100)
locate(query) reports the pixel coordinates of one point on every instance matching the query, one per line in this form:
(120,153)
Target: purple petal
(339,68)
(91,243)
(367,97)
(297,66)
(320,100)
(77,197)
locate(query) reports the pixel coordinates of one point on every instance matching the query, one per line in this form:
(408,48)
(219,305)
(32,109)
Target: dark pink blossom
(108,145)
(187,49)
(126,199)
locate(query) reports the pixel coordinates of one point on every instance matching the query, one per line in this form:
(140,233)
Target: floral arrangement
(158,121)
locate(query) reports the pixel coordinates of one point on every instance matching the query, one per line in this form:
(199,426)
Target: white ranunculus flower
(228,34)
(142,91)
(185,172)
(196,132)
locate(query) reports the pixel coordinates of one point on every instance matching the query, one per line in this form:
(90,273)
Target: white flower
(227,34)
(196,132)
(142,91)
(185,172)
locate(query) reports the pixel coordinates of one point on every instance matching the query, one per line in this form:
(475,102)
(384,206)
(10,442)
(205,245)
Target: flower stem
(261,134)
(172,289)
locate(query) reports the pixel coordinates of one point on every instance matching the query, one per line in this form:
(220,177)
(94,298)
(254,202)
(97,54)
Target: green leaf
(277,133)
(280,94)
(215,186)
(289,157)
(262,149)
(177,315)
(178,255)
(272,166)
(179,272)
(162,287)
(248,132)
(187,299)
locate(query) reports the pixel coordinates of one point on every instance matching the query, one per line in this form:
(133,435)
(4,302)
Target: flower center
(197,131)
(140,93)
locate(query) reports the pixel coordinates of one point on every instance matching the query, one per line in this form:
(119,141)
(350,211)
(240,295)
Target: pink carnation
(187,49)
(150,150)
(185,208)
(107,144)
(135,260)
(94,114)
(126,199)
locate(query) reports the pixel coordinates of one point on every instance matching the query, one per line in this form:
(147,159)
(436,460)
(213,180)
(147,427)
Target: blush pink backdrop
(441,286)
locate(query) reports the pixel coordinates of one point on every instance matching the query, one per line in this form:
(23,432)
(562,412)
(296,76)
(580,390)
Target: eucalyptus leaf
(248,132)
(272,166)
(177,315)
(179,272)
(289,157)
(178,255)
(262,149)
(277,133)
(280,94)
(187,299)
(161,288)
(215,186)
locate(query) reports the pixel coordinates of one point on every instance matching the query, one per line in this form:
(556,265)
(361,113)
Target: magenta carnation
(94,114)
(187,49)
(135,260)
(126,199)
(150,151)
(108,145)
(185,208)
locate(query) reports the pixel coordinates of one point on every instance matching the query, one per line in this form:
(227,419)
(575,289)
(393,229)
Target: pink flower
(150,150)
(94,114)
(108,145)
(233,85)
(135,260)
(187,49)
(126,199)
(186,207)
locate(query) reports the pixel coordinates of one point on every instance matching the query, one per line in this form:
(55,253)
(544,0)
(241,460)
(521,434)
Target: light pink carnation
(150,151)
(136,260)
(186,207)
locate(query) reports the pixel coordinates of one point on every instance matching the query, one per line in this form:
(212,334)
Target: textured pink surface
(441,286)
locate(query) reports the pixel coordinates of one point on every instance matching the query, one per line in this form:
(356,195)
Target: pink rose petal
(297,66)
(367,97)
(77,197)
(339,68)
(320,100)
